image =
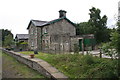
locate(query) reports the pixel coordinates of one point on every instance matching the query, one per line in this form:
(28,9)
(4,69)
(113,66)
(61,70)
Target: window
(32,44)
(36,31)
(31,31)
(46,30)
(47,41)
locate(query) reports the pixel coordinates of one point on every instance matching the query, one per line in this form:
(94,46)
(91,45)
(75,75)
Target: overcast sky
(15,15)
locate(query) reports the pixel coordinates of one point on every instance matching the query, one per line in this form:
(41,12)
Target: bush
(82,66)
(76,48)
(103,70)
(109,50)
(88,59)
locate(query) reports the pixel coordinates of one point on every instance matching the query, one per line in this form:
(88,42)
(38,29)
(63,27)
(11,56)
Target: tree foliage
(8,41)
(109,50)
(6,35)
(96,25)
(112,48)
(117,45)
(84,28)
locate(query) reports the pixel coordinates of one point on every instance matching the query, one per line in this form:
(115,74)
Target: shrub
(76,48)
(103,70)
(109,50)
(88,59)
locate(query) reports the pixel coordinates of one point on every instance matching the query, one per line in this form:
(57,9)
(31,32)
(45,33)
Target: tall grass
(81,66)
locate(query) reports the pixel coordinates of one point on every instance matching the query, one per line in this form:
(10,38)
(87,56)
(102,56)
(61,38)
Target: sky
(15,15)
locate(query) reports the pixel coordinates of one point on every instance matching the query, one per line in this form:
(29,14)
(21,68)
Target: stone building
(56,36)
(21,37)
(21,41)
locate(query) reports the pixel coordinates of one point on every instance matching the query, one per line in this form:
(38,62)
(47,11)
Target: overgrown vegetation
(109,50)
(76,48)
(81,66)
(112,48)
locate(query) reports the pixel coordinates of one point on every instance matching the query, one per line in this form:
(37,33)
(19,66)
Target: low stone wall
(37,64)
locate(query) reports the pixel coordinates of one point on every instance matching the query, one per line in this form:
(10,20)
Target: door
(80,44)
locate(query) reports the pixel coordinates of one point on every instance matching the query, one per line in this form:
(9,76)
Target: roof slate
(56,20)
(22,36)
(39,23)
(36,23)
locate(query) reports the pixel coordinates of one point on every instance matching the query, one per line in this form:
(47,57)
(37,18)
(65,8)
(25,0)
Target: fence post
(100,53)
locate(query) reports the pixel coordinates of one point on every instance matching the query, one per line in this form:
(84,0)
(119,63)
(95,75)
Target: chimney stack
(62,13)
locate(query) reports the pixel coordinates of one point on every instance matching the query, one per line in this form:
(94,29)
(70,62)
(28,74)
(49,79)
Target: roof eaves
(29,24)
(56,20)
(70,21)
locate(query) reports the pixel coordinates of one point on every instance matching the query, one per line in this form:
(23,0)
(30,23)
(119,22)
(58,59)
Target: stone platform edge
(37,64)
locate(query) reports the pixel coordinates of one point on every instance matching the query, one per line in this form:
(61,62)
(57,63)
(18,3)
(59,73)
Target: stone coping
(41,66)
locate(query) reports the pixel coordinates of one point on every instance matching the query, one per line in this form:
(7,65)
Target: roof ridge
(21,34)
(38,20)
(45,23)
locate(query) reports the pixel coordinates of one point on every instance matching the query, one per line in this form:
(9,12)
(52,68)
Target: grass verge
(80,66)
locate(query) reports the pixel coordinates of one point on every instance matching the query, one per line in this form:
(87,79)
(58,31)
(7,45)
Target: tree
(109,50)
(115,42)
(8,40)
(118,38)
(98,24)
(84,28)
(4,34)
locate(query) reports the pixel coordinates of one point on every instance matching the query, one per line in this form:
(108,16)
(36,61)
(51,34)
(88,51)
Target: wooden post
(100,53)
(82,47)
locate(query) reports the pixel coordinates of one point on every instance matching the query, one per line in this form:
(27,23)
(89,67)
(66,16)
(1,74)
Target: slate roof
(22,36)
(36,23)
(56,20)
(39,23)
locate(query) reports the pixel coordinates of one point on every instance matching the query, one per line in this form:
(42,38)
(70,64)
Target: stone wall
(39,38)
(32,41)
(61,27)
(37,64)
(57,39)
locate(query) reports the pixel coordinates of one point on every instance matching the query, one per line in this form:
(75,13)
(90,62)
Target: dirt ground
(11,70)
(8,70)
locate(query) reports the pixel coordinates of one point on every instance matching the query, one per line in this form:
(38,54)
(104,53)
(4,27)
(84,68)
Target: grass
(24,70)
(80,66)
(44,56)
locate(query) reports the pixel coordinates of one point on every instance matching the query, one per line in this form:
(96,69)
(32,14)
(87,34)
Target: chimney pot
(62,13)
